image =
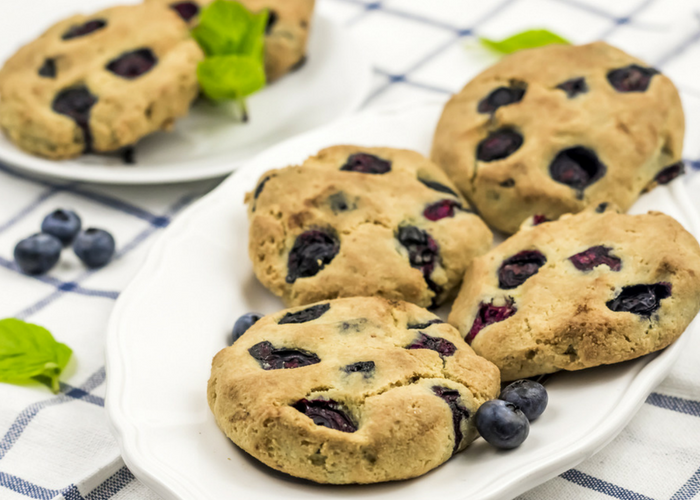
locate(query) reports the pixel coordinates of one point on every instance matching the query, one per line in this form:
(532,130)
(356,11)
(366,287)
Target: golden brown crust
(126,110)
(286,41)
(371,261)
(635,134)
(562,320)
(403,428)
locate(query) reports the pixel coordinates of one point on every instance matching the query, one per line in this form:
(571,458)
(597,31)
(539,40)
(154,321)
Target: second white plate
(197,280)
(209,142)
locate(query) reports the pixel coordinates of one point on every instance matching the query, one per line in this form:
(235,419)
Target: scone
(287,29)
(100,82)
(590,289)
(357,390)
(356,221)
(553,130)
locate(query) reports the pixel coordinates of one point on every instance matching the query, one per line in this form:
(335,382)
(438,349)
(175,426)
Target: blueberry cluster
(40,252)
(505,422)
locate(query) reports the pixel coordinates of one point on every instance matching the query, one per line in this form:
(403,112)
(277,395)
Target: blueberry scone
(553,130)
(286,35)
(357,390)
(355,221)
(100,82)
(594,288)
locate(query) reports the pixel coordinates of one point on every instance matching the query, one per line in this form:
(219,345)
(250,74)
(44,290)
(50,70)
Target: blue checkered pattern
(59,447)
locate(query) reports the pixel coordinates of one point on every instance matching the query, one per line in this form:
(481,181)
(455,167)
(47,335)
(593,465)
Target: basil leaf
(253,43)
(28,351)
(230,77)
(524,40)
(222,26)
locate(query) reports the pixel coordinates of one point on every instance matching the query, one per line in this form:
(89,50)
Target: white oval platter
(198,279)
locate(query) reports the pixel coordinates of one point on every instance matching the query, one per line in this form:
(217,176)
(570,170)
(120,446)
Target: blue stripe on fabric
(27,415)
(595,484)
(103,199)
(28,209)
(690,489)
(441,48)
(72,493)
(402,79)
(26,488)
(673,403)
(111,486)
(694,164)
(60,285)
(678,49)
(627,19)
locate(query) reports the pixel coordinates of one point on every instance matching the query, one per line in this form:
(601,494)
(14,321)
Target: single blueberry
(38,253)
(517,269)
(488,314)
(311,251)
(95,247)
(498,145)
(423,253)
(574,87)
(669,173)
(366,164)
(63,224)
(305,315)
(272,358)
(272,18)
(442,346)
(84,29)
(442,209)
(594,257)
(364,367)
(632,78)
(538,219)
(530,396)
(242,325)
(48,69)
(577,167)
(459,412)
(186,10)
(75,103)
(643,300)
(326,413)
(602,207)
(502,96)
(502,424)
(133,64)
(436,186)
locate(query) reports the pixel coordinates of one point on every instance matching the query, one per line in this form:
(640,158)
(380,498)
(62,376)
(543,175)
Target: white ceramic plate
(198,279)
(208,143)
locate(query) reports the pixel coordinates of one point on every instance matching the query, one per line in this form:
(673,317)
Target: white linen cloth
(60,446)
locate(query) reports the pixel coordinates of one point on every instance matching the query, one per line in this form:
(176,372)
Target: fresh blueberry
(95,247)
(499,144)
(528,395)
(502,424)
(242,325)
(38,253)
(63,224)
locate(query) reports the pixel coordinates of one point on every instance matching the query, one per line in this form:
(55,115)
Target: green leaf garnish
(233,39)
(29,351)
(525,40)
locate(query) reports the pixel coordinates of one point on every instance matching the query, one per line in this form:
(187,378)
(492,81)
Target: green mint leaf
(524,40)
(230,77)
(30,351)
(253,42)
(222,27)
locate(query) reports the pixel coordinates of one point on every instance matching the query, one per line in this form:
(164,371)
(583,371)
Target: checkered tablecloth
(60,446)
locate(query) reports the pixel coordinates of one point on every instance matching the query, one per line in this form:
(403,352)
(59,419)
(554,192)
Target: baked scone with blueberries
(356,221)
(99,83)
(556,129)
(287,29)
(358,390)
(594,288)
